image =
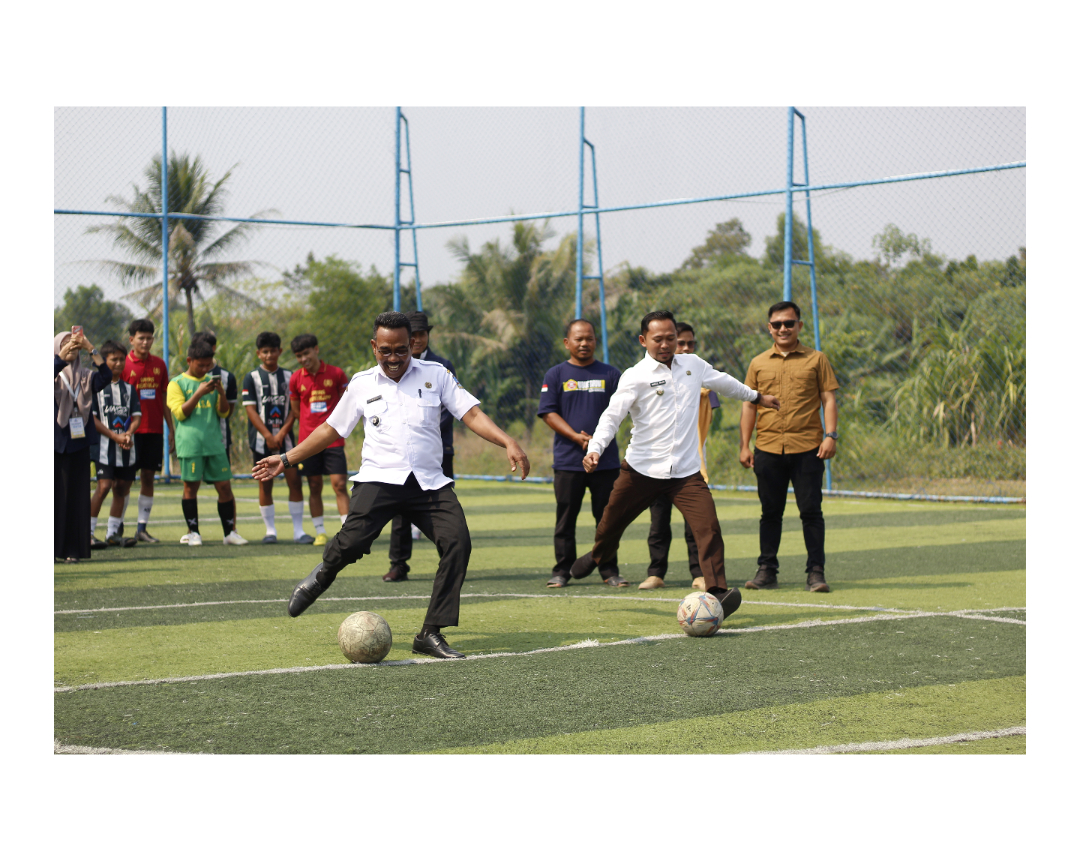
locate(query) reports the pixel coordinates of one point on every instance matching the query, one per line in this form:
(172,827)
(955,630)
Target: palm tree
(195,245)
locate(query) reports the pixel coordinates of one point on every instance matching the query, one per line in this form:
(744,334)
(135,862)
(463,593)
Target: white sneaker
(184,538)
(194,539)
(416,535)
(233,539)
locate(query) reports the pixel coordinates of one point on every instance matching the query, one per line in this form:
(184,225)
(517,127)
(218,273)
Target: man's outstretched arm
(271,466)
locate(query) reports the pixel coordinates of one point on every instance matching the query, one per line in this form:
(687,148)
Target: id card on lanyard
(76,427)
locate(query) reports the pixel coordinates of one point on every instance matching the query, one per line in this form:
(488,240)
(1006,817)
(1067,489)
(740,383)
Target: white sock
(93,525)
(296,511)
(343,518)
(267,512)
(145,503)
(114,526)
(320,529)
(123,510)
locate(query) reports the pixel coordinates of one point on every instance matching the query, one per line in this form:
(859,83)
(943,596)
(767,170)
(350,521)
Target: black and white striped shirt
(115,406)
(269,393)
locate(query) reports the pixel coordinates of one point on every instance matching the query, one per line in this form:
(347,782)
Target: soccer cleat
(95,544)
(765,578)
(434,645)
(583,567)
(730,600)
(145,537)
(652,583)
(320,540)
(115,540)
(396,574)
(306,592)
(616,581)
(269,539)
(815,580)
(304,539)
(184,538)
(233,539)
(698,583)
(558,581)
(194,539)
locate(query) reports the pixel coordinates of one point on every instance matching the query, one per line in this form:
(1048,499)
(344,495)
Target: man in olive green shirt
(197,403)
(791,445)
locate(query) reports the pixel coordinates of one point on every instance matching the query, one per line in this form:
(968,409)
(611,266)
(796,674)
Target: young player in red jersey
(314,391)
(147,374)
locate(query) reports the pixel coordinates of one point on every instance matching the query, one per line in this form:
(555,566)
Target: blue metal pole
(580,214)
(167,463)
(599,259)
(787,210)
(397,210)
(412,218)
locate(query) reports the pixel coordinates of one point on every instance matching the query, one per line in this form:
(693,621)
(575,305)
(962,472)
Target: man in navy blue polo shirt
(572,398)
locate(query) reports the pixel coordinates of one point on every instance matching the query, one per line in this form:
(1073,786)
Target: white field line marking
(584,644)
(864,747)
(82,749)
(652,598)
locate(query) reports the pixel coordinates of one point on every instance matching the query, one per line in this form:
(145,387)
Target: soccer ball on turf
(365,637)
(700,614)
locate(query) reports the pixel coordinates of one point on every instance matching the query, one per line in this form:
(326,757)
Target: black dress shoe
(583,567)
(558,581)
(730,600)
(395,575)
(305,593)
(433,645)
(616,581)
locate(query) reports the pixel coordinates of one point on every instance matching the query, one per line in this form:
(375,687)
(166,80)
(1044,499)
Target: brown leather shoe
(763,579)
(815,581)
(652,583)
(395,575)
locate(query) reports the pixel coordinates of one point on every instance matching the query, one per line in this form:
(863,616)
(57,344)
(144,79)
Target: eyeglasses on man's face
(400,351)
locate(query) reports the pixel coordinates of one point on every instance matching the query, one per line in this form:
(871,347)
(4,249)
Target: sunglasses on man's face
(789,324)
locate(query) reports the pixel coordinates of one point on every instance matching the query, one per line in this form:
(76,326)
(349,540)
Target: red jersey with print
(319,395)
(150,381)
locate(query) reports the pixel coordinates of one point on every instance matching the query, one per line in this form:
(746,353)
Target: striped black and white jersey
(228,382)
(115,406)
(269,393)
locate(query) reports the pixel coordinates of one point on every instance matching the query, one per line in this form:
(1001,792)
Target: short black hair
(391,321)
(656,315)
(140,325)
(110,347)
(206,336)
(303,342)
(200,349)
(785,304)
(682,326)
(579,321)
(267,339)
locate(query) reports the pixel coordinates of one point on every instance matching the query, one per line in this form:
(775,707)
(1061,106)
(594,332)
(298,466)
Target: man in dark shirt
(402,533)
(572,398)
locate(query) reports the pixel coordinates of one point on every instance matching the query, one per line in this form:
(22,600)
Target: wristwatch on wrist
(834,436)
(756,400)
(285,460)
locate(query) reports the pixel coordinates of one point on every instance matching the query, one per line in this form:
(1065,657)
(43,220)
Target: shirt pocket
(425,412)
(768,383)
(375,417)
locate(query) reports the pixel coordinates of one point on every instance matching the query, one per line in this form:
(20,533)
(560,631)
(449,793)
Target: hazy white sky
(337,165)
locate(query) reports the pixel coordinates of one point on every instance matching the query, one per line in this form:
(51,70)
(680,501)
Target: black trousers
(71,504)
(438,515)
(804,471)
(401,529)
(569,493)
(660,541)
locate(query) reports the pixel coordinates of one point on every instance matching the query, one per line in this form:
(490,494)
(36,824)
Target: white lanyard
(74,393)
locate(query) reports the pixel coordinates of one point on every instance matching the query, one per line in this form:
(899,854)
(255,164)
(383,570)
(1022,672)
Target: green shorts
(214,468)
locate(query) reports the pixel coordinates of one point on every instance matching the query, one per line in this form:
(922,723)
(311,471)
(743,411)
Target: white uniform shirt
(663,404)
(401,421)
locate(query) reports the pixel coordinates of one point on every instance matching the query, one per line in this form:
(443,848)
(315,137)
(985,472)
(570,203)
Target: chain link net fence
(920,284)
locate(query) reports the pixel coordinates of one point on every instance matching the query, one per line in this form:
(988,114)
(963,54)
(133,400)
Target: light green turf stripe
(500,625)
(935,710)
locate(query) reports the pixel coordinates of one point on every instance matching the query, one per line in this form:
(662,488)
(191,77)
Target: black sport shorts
(329,462)
(149,449)
(117,473)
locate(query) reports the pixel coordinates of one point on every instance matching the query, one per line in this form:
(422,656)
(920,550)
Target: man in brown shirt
(791,445)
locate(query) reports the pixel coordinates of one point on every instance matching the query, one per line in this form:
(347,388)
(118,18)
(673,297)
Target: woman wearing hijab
(73,433)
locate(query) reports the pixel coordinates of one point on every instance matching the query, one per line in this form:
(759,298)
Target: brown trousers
(632,496)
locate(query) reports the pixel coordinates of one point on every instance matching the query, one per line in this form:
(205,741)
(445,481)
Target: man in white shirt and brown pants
(400,403)
(662,393)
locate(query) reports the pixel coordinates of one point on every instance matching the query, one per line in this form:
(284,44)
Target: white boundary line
(898,744)
(585,644)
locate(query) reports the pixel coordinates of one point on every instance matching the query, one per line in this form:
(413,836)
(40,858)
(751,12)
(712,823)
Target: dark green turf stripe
(471,704)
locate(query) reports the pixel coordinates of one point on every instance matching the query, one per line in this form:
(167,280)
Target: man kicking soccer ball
(661,393)
(400,471)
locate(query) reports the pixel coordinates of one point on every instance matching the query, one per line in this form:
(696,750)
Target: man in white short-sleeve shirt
(399,402)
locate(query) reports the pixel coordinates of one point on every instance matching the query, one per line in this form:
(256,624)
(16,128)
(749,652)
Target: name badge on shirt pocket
(318,407)
(148,393)
(76,428)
